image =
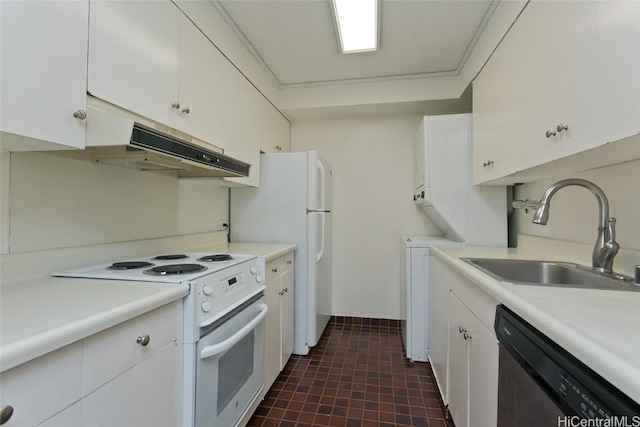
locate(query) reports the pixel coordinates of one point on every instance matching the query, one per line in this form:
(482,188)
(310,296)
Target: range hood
(120,138)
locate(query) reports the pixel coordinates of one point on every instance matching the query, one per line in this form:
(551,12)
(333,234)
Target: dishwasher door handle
(221,347)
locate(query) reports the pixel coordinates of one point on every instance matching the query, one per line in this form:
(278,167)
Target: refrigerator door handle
(323,217)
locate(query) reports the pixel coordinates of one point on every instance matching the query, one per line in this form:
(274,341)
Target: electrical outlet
(222,224)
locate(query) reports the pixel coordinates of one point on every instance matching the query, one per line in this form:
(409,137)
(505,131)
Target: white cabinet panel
(42,387)
(494,114)
(600,49)
(439,324)
(147,395)
(109,353)
(279,321)
(458,362)
(43,73)
(134,56)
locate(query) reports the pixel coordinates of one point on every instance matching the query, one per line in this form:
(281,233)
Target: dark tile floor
(356,376)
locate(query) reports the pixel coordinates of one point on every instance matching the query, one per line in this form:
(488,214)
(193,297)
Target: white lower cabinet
(42,387)
(278,326)
(473,397)
(463,348)
(126,375)
(439,324)
(148,394)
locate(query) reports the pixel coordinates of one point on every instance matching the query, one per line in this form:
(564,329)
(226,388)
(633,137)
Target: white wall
(55,202)
(372,160)
(573,214)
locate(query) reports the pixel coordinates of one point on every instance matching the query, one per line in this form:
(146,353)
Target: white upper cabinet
(134,49)
(565,79)
(600,83)
(494,114)
(200,85)
(43,74)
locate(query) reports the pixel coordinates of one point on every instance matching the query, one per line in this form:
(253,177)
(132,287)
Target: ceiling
(296,43)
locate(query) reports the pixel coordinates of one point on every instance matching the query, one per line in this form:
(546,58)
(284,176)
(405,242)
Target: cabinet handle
(487,163)
(279,148)
(289,262)
(80,114)
(143,340)
(186,110)
(281,293)
(5,414)
(549,133)
(561,127)
(275,269)
(175,105)
(464,332)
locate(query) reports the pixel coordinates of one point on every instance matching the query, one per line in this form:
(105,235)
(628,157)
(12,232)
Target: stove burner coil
(174,269)
(171,257)
(216,258)
(129,265)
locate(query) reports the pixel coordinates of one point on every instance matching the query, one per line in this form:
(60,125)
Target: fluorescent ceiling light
(357,22)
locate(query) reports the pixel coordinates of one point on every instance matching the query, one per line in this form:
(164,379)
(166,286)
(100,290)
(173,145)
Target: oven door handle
(221,347)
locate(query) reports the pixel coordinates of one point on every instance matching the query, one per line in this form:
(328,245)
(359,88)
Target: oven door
(229,366)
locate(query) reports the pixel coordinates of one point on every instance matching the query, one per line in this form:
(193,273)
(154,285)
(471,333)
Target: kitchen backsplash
(574,211)
(55,202)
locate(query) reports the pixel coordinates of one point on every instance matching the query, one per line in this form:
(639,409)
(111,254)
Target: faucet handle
(611,230)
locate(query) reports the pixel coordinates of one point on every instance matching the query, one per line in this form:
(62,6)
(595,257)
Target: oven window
(234,369)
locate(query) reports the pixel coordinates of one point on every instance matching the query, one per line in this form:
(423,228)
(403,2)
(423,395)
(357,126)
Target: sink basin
(550,273)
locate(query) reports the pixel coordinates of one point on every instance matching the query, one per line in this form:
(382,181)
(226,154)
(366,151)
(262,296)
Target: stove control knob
(207,290)
(253,269)
(259,278)
(206,306)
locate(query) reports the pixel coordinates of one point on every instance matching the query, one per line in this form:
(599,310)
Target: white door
(319,232)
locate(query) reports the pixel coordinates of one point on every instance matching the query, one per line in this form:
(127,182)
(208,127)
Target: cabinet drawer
(109,353)
(481,304)
(42,387)
(147,395)
(277,267)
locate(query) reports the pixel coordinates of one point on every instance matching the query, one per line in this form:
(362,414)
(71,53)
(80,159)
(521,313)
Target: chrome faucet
(606,246)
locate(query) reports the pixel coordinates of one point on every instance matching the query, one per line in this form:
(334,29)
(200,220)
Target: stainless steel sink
(550,273)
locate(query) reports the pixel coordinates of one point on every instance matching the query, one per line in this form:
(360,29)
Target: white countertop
(42,314)
(599,327)
(39,316)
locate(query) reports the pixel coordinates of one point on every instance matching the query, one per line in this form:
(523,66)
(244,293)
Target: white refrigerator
(293,205)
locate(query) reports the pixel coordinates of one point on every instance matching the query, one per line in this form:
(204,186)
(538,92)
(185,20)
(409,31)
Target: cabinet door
(494,114)
(483,375)
(539,63)
(134,56)
(286,316)
(199,84)
(43,73)
(149,394)
(42,387)
(272,326)
(439,324)
(276,133)
(600,72)
(458,362)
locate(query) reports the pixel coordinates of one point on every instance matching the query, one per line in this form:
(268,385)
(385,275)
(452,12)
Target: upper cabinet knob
(561,127)
(549,133)
(143,340)
(279,148)
(487,163)
(80,114)
(186,110)
(175,105)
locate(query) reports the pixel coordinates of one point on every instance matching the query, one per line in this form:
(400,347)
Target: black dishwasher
(541,384)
